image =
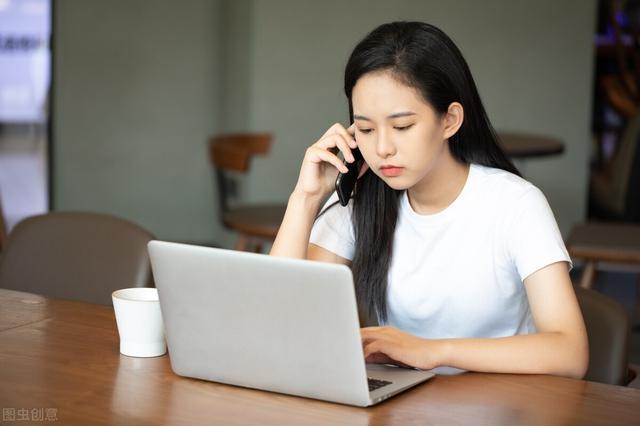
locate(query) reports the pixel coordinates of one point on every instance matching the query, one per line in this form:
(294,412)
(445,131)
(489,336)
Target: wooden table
(522,145)
(63,356)
(595,242)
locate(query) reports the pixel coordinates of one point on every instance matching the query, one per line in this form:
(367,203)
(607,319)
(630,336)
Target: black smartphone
(347,181)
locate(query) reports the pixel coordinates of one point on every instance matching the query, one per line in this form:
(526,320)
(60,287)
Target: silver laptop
(271,323)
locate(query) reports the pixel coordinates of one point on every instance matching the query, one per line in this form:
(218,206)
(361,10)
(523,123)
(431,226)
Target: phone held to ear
(347,181)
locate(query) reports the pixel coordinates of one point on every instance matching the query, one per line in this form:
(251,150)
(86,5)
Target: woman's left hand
(388,345)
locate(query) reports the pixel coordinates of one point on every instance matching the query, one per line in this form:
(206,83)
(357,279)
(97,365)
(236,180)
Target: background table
(600,242)
(522,145)
(64,355)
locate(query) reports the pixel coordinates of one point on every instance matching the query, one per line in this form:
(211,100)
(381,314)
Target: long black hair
(423,57)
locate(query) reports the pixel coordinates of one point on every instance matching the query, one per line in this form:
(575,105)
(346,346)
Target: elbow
(578,371)
(576,363)
(582,367)
(573,369)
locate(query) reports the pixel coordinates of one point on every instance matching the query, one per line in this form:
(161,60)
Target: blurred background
(109,106)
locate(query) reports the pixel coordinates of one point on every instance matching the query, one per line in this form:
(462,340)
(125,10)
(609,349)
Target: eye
(365,131)
(403,127)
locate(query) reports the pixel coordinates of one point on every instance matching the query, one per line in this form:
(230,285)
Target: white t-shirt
(459,273)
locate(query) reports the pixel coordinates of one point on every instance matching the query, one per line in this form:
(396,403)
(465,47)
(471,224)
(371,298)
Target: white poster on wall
(25,29)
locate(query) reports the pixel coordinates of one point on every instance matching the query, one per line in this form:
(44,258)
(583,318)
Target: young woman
(458,257)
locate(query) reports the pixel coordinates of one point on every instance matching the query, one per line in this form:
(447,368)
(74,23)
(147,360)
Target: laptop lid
(263,322)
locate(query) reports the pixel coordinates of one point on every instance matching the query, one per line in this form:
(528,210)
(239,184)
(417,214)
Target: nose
(385,146)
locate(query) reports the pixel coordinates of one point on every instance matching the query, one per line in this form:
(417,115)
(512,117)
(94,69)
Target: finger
(338,129)
(366,335)
(382,335)
(370,349)
(327,141)
(333,129)
(368,331)
(336,140)
(379,358)
(348,137)
(368,340)
(326,156)
(343,145)
(370,335)
(376,346)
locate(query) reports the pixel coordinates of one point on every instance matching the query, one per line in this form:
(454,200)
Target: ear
(453,119)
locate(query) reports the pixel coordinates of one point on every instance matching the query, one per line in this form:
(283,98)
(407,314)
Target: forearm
(541,353)
(293,236)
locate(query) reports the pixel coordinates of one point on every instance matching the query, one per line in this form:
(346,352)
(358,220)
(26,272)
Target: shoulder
(333,229)
(334,211)
(334,216)
(503,189)
(520,210)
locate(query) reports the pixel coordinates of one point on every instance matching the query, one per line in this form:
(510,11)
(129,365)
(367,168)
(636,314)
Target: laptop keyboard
(376,384)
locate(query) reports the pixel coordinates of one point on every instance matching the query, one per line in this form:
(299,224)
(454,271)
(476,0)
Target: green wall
(139,87)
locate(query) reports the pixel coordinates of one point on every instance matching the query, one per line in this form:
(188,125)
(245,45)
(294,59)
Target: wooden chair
(231,154)
(599,242)
(615,244)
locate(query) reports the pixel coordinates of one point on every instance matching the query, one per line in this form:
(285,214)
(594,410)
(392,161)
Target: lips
(391,171)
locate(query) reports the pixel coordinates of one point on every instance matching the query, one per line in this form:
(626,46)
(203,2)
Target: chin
(398,187)
(399,183)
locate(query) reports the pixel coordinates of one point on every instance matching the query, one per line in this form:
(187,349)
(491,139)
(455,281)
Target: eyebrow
(396,115)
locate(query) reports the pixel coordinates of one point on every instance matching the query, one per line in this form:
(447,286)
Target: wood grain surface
(64,355)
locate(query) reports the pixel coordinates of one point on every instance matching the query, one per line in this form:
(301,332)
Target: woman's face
(401,137)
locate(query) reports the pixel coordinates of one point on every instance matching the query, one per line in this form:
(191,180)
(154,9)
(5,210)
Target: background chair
(607,326)
(599,242)
(615,188)
(78,256)
(229,155)
(3,228)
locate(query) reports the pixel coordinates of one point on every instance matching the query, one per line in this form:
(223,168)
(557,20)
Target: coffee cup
(139,322)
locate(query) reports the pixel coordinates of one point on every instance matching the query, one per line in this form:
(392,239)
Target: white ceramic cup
(139,322)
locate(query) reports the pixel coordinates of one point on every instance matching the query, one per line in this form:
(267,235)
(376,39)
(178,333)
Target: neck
(440,187)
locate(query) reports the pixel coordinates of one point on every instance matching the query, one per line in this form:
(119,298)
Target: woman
(452,251)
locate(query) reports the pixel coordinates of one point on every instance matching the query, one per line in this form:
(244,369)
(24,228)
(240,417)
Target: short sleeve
(333,230)
(533,238)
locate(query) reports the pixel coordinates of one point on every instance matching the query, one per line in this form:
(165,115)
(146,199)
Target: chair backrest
(615,190)
(632,205)
(3,228)
(77,256)
(624,161)
(233,153)
(608,327)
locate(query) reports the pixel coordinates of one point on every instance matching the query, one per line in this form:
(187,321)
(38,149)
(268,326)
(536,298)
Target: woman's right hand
(321,164)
